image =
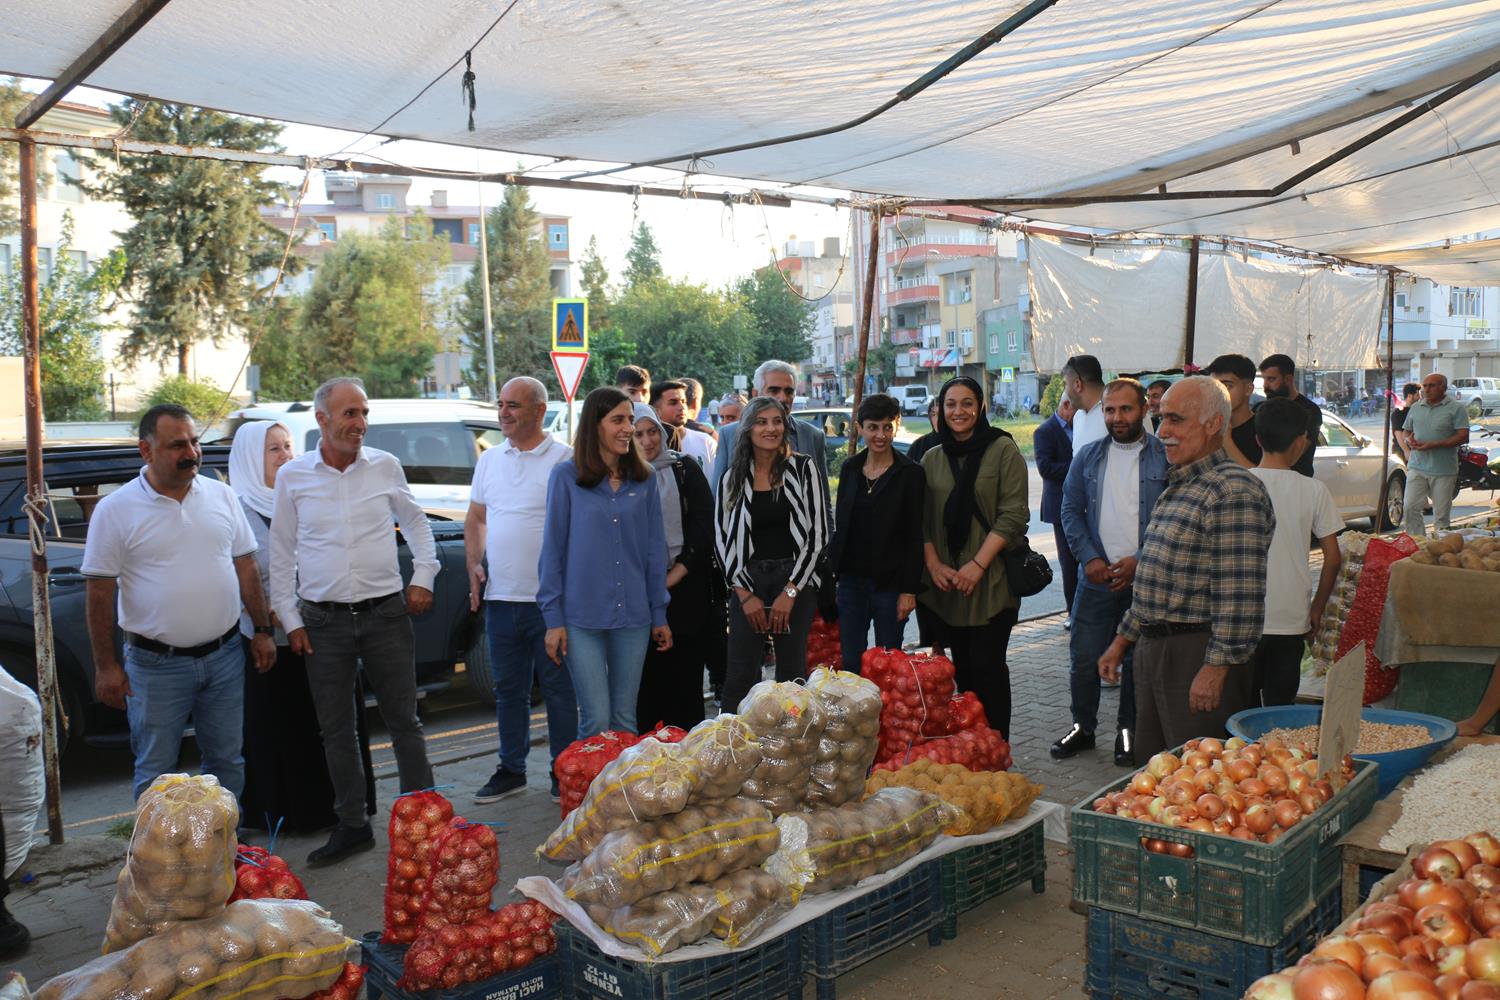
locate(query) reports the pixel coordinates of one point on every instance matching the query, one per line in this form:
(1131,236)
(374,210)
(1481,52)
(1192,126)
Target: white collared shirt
(333,534)
(511,485)
(1088,426)
(174,561)
(1120,500)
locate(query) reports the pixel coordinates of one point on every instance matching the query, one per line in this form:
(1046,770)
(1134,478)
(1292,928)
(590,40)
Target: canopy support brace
(1390,387)
(126,25)
(866,312)
(1190,326)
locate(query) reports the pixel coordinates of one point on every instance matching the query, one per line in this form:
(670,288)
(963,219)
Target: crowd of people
(615,572)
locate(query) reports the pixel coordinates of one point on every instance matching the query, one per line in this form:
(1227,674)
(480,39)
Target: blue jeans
(165,691)
(605,665)
(859,603)
(1096,616)
(518,651)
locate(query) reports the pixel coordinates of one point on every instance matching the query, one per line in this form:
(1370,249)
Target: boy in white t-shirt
(1304,509)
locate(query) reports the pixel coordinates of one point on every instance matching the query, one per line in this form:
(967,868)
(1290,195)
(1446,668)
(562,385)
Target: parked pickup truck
(77,476)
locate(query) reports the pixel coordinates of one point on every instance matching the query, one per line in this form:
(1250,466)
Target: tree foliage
(201,397)
(12,100)
(643,259)
(197,240)
(520,297)
(682,329)
(880,361)
(783,321)
(72,306)
(283,352)
(595,278)
(1052,395)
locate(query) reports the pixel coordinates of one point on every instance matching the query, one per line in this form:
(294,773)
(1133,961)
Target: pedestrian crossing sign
(570,325)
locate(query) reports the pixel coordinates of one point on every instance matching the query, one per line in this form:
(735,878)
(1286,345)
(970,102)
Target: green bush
(1052,398)
(203,399)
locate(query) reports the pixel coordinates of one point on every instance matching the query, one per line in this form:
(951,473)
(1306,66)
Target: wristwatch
(790,591)
(265,630)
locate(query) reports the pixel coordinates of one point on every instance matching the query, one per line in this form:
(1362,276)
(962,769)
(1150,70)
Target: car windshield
(1465,383)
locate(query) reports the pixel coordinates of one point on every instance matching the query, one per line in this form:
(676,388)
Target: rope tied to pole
(36,516)
(466,85)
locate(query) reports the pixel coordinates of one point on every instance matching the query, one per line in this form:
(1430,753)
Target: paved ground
(1018,946)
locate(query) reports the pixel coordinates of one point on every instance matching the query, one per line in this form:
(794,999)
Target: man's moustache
(187,463)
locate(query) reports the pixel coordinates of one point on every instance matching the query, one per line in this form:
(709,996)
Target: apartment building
(823,276)
(1446,328)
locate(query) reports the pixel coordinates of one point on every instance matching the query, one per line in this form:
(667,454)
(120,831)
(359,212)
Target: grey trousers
(380,640)
(1163,672)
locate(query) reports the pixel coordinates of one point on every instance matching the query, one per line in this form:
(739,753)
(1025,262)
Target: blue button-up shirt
(604,554)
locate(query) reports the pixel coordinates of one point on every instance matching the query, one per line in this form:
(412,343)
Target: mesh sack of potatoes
(253,949)
(752,899)
(734,907)
(648,780)
(724,752)
(851,736)
(833,848)
(788,720)
(180,863)
(698,844)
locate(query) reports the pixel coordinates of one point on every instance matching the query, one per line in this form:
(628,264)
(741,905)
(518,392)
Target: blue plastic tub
(1253,723)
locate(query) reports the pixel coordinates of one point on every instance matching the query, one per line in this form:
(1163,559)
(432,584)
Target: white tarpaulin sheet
(1088,97)
(1473,263)
(1128,307)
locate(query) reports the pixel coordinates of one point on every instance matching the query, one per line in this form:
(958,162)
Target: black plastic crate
(1135,959)
(874,924)
(762,972)
(541,980)
(975,874)
(1245,890)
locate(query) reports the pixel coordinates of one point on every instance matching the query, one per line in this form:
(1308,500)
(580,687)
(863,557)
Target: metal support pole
(1190,329)
(864,325)
(1390,379)
(484,281)
(36,497)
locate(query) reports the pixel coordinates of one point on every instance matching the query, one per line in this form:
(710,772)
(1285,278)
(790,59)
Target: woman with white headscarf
(671,688)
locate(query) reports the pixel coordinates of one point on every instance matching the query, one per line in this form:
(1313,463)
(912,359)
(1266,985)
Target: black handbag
(1027,571)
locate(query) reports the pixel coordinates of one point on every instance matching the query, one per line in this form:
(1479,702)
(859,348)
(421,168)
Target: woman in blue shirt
(603,568)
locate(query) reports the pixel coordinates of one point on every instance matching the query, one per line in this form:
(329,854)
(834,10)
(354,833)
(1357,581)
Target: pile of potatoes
(734,908)
(724,751)
(648,780)
(850,739)
(699,844)
(987,798)
(180,865)
(833,848)
(253,949)
(788,720)
(1476,552)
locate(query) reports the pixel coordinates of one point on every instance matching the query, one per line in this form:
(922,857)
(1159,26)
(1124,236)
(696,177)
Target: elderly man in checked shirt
(1200,586)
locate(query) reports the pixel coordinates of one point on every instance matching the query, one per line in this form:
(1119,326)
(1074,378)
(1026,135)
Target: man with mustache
(1198,605)
(175,550)
(1107,499)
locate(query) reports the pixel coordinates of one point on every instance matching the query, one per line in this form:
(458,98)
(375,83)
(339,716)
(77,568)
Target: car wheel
(1395,503)
(477,670)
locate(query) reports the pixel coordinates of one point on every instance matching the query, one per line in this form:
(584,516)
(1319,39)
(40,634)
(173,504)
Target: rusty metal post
(866,314)
(1390,379)
(1190,327)
(41,604)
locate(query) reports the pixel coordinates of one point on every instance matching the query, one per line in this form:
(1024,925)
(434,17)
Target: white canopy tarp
(1089,97)
(1127,306)
(1474,263)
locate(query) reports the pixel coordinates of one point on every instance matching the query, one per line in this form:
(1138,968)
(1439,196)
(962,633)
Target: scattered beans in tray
(1374,737)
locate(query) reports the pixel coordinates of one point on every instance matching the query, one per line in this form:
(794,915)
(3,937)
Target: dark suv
(77,476)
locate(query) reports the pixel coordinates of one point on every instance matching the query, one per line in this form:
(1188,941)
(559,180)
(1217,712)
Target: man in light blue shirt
(1434,429)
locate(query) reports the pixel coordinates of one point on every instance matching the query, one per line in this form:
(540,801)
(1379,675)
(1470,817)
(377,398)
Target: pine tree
(197,241)
(520,296)
(643,260)
(596,286)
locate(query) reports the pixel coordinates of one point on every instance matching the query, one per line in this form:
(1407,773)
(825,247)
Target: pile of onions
(1254,791)
(1436,938)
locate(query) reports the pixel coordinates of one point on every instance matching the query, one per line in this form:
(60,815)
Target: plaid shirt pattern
(1204,557)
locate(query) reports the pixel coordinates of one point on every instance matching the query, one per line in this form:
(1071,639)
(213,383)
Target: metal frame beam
(135,17)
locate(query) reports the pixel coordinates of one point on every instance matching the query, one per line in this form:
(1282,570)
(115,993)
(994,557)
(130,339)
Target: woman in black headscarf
(976,507)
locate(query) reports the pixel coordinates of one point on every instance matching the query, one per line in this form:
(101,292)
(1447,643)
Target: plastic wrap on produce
(724,751)
(699,844)
(14,987)
(734,908)
(180,863)
(254,949)
(648,780)
(832,848)
(851,736)
(788,720)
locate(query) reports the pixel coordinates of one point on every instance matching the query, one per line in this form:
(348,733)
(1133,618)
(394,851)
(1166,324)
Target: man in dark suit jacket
(1053,443)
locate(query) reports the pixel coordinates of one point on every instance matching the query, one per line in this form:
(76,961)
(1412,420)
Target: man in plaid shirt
(1200,586)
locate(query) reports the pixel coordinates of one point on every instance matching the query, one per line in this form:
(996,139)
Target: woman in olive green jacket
(976,506)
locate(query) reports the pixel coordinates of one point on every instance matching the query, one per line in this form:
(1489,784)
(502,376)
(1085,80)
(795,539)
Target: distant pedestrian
(1083,379)
(731,405)
(771,525)
(503,532)
(1052,443)
(1434,429)
(174,550)
(1198,605)
(1410,393)
(1154,392)
(635,382)
(669,400)
(1279,375)
(604,565)
(1236,373)
(336,585)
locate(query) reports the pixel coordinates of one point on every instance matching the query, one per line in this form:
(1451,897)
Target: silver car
(1480,395)
(1348,463)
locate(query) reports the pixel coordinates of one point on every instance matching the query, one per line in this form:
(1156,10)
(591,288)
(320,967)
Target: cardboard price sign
(1342,699)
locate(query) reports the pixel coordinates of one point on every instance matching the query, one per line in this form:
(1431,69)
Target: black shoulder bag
(1027,571)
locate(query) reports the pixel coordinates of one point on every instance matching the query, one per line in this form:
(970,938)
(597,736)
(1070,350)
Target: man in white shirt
(1304,508)
(1107,499)
(175,549)
(507,507)
(336,585)
(1083,380)
(669,400)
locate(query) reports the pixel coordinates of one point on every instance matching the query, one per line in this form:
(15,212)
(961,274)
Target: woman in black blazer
(877,542)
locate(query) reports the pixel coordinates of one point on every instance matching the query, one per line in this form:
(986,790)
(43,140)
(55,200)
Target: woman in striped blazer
(771,525)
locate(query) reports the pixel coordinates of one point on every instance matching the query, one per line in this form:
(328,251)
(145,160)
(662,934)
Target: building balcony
(912,293)
(906,335)
(914,254)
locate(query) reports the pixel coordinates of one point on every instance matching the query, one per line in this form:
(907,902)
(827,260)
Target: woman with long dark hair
(976,507)
(603,567)
(771,526)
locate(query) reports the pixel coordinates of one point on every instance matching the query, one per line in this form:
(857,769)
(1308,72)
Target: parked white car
(1480,395)
(1348,463)
(914,399)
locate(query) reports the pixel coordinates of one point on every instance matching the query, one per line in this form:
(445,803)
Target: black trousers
(979,664)
(1277,666)
(1066,563)
(672,683)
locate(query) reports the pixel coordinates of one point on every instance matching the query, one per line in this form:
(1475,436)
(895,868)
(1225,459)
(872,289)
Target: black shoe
(1072,743)
(501,784)
(556,791)
(14,937)
(1125,748)
(344,841)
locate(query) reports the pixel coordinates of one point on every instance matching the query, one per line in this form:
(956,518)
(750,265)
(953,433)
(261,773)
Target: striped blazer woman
(809,520)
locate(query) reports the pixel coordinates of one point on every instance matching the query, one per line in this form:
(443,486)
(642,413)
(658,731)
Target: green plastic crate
(975,874)
(1248,891)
